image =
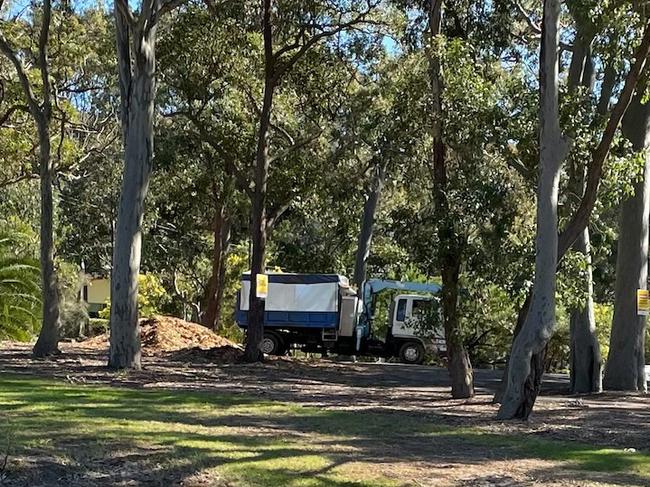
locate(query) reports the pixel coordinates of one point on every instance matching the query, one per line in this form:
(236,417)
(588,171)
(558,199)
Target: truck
(322,313)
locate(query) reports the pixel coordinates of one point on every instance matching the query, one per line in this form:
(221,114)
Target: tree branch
(170,5)
(309,43)
(7,115)
(42,58)
(122,7)
(273,217)
(10,54)
(231,166)
(297,145)
(536,28)
(595,170)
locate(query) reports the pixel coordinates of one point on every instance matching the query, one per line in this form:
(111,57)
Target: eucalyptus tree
(39,99)
(207,78)
(586,362)
(526,362)
(626,360)
(214,87)
(136,58)
(449,241)
(554,148)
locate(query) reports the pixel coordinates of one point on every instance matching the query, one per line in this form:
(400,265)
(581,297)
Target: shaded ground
(320,423)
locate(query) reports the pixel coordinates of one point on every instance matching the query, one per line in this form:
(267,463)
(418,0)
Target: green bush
(97,326)
(152,297)
(74,313)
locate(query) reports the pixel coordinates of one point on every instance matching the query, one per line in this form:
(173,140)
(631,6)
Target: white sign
(262,288)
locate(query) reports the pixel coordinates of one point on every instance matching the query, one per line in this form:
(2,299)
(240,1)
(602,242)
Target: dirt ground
(606,420)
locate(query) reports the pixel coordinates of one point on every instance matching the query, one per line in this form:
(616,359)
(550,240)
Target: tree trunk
(519,396)
(625,368)
(214,295)
(521,317)
(458,362)
(450,244)
(586,361)
(137,86)
(585,358)
(48,338)
(255,330)
(368,222)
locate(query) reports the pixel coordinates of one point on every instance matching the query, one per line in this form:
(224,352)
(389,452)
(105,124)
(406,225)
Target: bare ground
(606,420)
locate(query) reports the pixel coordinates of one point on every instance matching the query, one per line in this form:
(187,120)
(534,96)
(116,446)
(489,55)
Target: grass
(158,437)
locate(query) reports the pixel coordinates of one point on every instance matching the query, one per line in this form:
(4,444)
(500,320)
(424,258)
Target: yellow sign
(262,288)
(642,302)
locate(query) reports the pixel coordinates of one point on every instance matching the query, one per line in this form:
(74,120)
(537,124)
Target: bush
(152,297)
(97,326)
(74,314)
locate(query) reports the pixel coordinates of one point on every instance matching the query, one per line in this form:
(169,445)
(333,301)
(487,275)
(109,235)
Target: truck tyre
(411,353)
(272,344)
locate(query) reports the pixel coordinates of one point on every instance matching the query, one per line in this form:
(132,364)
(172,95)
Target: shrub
(152,296)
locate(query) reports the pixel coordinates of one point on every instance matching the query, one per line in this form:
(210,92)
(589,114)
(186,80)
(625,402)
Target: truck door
(403,310)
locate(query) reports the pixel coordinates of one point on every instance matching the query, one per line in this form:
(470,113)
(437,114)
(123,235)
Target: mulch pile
(180,339)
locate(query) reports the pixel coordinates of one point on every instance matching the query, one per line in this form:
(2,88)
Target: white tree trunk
(585,357)
(586,361)
(625,369)
(519,398)
(137,86)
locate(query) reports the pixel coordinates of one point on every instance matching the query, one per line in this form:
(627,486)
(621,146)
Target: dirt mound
(162,334)
(224,355)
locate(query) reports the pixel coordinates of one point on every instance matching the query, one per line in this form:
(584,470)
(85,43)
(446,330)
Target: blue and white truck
(322,313)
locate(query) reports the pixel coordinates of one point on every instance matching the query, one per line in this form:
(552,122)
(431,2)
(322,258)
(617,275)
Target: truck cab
(403,338)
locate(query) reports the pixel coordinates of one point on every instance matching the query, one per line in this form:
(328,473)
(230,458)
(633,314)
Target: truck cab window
(401,310)
(419,306)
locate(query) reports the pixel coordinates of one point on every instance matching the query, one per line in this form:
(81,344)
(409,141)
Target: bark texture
(585,360)
(625,368)
(450,243)
(519,396)
(48,338)
(368,223)
(137,74)
(214,294)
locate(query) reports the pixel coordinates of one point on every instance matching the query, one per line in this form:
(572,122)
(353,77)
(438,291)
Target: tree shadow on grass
(76,435)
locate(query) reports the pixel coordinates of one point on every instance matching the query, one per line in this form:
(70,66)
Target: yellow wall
(99,290)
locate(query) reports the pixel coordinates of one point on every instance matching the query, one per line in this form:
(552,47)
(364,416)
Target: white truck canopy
(298,292)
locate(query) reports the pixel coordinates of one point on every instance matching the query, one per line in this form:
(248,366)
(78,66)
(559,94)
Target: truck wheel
(411,353)
(271,344)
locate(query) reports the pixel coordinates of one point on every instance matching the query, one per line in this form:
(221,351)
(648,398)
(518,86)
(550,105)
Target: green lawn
(154,437)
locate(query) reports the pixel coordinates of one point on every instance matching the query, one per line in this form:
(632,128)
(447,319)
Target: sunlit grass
(249,441)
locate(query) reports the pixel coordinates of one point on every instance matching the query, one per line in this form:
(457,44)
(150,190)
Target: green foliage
(152,297)
(97,326)
(19,283)
(73,313)
(604,314)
